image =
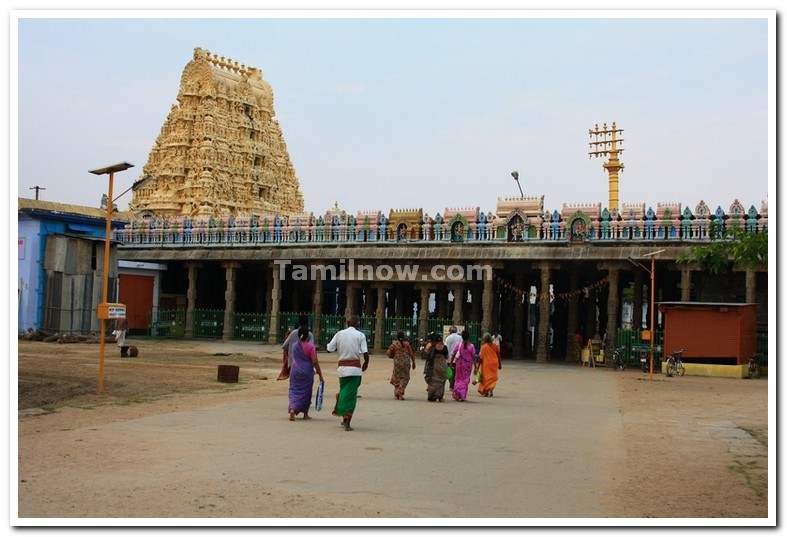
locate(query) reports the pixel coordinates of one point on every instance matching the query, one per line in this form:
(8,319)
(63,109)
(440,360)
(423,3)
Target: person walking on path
(427,353)
(291,339)
(451,341)
(436,388)
(497,339)
(403,357)
(304,365)
(350,344)
(466,366)
(121,328)
(490,364)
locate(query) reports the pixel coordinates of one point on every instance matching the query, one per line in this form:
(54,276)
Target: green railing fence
(208,323)
(367,325)
(635,346)
(330,324)
(251,327)
(762,348)
(288,321)
(436,325)
(255,327)
(392,325)
(167,323)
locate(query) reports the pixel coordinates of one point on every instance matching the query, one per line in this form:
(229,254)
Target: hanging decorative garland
(583,291)
(506,288)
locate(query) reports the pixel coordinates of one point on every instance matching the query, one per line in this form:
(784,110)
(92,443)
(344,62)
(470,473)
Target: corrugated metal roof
(31,205)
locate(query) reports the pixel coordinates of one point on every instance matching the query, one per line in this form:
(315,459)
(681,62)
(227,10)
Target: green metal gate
(251,327)
(167,323)
(208,323)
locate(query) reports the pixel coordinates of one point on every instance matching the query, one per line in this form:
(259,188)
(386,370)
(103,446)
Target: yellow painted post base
(714,370)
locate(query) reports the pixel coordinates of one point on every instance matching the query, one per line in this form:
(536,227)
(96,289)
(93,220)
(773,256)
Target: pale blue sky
(419,112)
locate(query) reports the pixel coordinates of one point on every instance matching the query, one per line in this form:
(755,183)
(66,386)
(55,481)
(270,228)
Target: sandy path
(554,443)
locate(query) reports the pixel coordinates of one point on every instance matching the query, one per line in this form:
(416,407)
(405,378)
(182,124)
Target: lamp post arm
(135,186)
(638,264)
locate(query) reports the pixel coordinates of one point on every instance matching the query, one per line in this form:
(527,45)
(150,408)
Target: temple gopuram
(220,151)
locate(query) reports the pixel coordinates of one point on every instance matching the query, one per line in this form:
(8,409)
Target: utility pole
(605,144)
(37,188)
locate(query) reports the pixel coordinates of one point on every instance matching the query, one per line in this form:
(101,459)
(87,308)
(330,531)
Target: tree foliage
(727,248)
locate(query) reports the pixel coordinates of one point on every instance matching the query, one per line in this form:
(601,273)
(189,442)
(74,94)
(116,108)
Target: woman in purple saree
(304,364)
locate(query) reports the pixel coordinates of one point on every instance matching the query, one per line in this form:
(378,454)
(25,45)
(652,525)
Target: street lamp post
(103,308)
(515,175)
(652,272)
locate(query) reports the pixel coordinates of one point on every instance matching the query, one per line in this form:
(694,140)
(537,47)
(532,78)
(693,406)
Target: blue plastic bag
(319,397)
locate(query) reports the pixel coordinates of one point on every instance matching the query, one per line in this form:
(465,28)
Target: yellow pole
(652,309)
(105,285)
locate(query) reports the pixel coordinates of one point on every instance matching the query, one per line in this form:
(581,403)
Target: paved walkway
(544,446)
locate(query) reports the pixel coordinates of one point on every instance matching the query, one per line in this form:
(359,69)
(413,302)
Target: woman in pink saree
(466,366)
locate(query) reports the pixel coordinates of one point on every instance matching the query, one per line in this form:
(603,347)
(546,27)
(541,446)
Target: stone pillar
(685,283)
(544,307)
(350,300)
(358,307)
(295,297)
(400,300)
(636,320)
(487,300)
(229,298)
(573,314)
(475,305)
(368,302)
(751,286)
(191,298)
(495,314)
(441,297)
(317,309)
(379,327)
(522,301)
(459,303)
(613,308)
(591,318)
(275,303)
(423,312)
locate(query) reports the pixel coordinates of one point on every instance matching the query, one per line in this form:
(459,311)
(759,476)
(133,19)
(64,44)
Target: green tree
(727,248)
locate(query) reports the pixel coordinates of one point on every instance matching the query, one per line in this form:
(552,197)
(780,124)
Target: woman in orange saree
(490,364)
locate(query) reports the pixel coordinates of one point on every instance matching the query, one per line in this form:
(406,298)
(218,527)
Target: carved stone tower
(220,150)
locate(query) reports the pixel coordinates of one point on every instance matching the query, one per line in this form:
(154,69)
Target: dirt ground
(668,425)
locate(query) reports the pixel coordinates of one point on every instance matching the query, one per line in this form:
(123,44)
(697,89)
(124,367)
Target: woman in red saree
(490,364)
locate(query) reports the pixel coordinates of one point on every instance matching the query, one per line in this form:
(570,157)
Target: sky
(417,109)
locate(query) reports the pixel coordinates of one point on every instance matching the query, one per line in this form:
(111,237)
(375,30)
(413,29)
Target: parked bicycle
(617,359)
(675,364)
(755,366)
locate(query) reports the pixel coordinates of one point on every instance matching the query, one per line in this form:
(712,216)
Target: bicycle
(675,364)
(617,359)
(754,366)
